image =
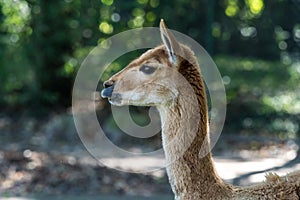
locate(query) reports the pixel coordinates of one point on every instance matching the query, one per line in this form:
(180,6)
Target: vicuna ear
(169,41)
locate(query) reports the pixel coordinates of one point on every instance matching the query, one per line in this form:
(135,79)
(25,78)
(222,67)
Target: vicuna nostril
(108,84)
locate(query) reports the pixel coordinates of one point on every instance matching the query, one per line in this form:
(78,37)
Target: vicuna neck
(185,133)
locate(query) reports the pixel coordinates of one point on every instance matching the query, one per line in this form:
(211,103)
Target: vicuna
(169,78)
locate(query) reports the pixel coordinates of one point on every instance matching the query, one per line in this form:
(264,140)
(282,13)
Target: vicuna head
(155,78)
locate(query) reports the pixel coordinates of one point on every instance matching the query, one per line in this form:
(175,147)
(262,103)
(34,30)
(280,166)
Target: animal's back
(274,188)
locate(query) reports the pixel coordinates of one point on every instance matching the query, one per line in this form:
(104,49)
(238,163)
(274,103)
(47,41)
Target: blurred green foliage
(263,96)
(255,43)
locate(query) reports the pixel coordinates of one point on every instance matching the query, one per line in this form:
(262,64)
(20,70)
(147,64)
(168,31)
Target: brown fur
(191,177)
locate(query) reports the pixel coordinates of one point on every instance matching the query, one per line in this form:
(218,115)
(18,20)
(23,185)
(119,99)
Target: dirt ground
(37,166)
(89,197)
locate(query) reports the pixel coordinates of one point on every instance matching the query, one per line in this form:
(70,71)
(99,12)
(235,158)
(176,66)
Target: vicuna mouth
(107,92)
(113,98)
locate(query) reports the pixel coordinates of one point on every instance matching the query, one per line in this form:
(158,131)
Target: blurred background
(254,43)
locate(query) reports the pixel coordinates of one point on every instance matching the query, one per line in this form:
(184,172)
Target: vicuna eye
(147,69)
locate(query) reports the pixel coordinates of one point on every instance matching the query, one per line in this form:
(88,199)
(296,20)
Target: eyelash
(146,69)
